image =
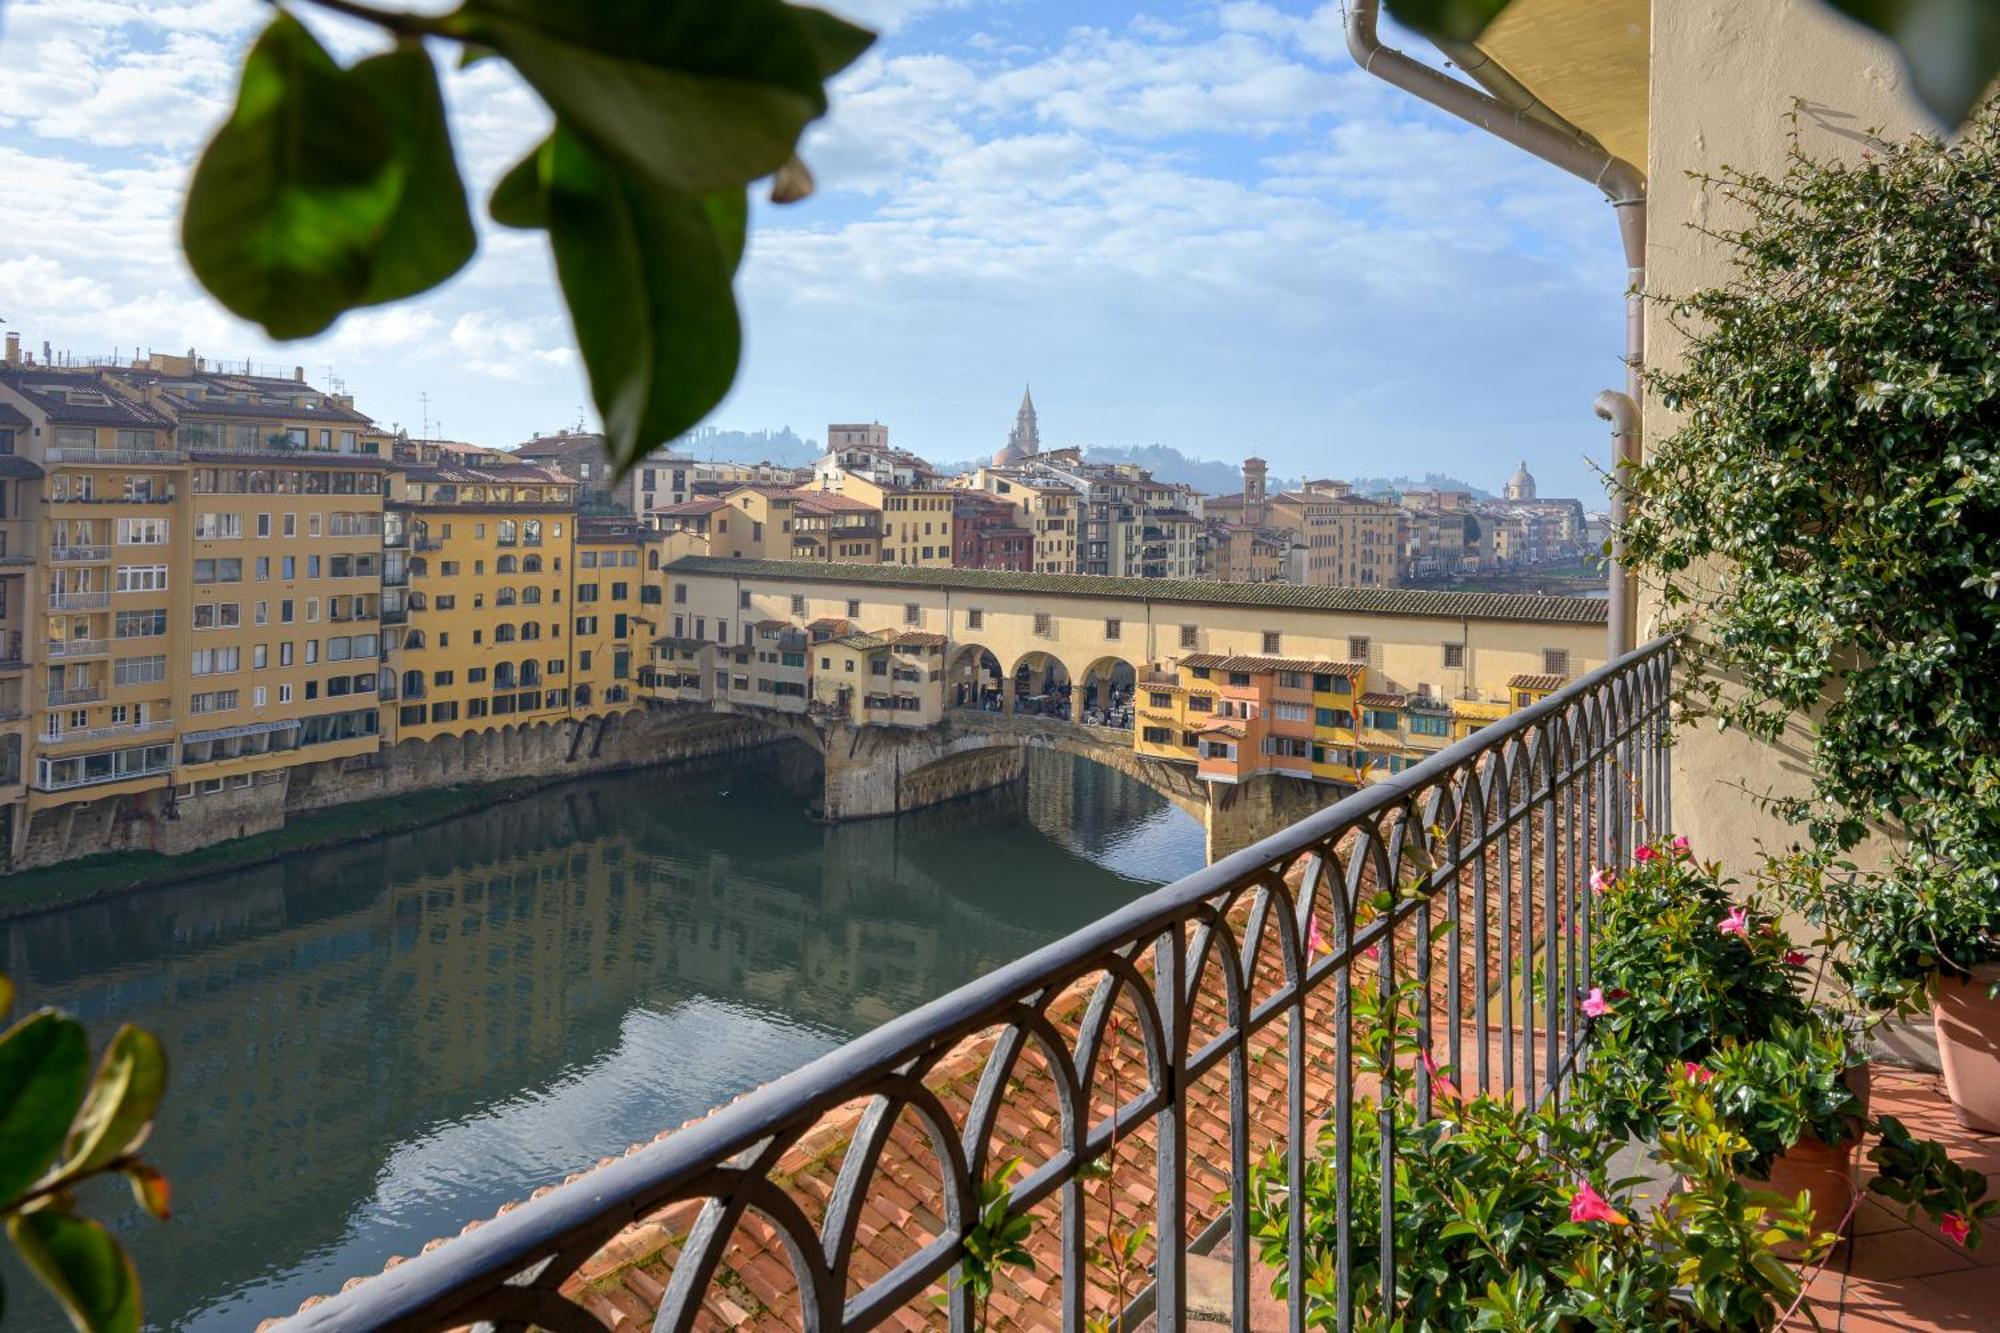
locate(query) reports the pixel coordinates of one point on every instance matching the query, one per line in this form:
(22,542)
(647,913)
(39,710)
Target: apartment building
(662,478)
(827,525)
(615,613)
(1046,508)
(987,533)
(916,519)
(490,561)
(1341,540)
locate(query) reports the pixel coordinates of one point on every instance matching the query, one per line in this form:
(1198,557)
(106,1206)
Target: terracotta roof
(1218,724)
(831,502)
(1253,662)
(1359,601)
(691,508)
(1528,681)
(772,624)
(912,638)
(863,642)
(1384,700)
(838,624)
(49,389)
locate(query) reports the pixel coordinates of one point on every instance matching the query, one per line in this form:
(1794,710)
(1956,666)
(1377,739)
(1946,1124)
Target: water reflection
(373,1044)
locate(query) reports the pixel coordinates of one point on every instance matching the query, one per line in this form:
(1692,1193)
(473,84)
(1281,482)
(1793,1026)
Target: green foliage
(1828,515)
(1917,1174)
(60,1126)
(993,1243)
(331,188)
(1950,47)
(1786,1087)
(1504,1219)
(1678,985)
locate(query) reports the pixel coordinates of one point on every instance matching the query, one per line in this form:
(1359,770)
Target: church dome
(1521,486)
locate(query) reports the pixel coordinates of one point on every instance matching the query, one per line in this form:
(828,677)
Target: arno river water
(374,1044)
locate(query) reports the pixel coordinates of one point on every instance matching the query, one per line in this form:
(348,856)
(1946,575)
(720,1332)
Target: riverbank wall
(180,822)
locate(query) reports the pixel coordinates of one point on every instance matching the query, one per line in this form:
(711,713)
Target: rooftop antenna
(424,399)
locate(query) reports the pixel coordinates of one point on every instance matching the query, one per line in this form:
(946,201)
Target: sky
(1185,222)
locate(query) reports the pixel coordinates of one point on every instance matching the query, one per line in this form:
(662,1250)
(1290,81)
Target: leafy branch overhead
(334,187)
(1951,48)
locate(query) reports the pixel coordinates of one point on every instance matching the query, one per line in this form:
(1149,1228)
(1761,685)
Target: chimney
(298,374)
(13,349)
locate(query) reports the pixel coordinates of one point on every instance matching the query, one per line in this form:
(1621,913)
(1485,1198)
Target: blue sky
(1186,222)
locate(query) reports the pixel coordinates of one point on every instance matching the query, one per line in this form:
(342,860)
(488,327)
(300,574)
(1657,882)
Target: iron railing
(1226,1000)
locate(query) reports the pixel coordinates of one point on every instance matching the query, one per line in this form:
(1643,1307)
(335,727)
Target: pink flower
(1601,880)
(1795,958)
(1645,854)
(1315,942)
(1681,846)
(1594,1004)
(1373,953)
(1696,1073)
(1736,923)
(1587,1205)
(1955,1228)
(1443,1086)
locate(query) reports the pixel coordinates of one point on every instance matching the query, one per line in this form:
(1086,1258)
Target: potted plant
(1821,520)
(1798,1097)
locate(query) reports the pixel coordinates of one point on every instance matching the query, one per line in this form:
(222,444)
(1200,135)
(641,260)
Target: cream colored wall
(1724,78)
(1404,651)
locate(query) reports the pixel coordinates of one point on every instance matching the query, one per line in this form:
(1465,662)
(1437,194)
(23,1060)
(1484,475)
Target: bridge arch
(1104,692)
(974,679)
(1040,682)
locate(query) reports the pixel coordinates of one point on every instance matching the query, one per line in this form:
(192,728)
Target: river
(372,1045)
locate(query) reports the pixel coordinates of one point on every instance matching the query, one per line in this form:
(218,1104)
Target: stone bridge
(874,771)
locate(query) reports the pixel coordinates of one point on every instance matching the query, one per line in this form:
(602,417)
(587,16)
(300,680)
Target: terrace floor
(1908,1279)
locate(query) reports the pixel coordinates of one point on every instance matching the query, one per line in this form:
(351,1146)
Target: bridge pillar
(874,771)
(1238,814)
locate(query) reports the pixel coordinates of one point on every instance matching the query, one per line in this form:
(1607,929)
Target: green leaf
(130,1082)
(698,96)
(521,199)
(429,237)
(326,188)
(1452,20)
(82,1267)
(646,272)
(1950,47)
(44,1072)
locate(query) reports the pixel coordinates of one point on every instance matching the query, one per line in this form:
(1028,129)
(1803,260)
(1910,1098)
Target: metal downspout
(1510,112)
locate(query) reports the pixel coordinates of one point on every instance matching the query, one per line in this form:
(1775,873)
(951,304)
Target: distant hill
(1432,481)
(1171,465)
(712,444)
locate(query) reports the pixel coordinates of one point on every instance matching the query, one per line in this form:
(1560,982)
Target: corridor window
(1357,648)
(1454,656)
(1555,662)
(1271,640)
(1112,628)
(1188,635)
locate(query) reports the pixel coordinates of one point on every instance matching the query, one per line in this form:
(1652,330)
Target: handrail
(1541,795)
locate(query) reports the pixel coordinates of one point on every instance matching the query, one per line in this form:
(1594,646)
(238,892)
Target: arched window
(413,684)
(652,559)
(417,601)
(531,532)
(503,676)
(531,596)
(509,532)
(505,597)
(419,566)
(531,629)
(531,672)
(583,694)
(503,634)
(506,564)
(531,564)
(413,638)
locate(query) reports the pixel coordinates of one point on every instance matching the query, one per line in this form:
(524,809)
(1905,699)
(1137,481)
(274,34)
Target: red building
(989,534)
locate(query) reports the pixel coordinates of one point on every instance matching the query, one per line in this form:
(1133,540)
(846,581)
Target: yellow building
(488,564)
(916,519)
(1345,540)
(1048,510)
(613,619)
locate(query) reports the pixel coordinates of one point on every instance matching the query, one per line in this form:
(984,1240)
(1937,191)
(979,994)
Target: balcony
(12,645)
(79,555)
(95,600)
(1107,1073)
(144,457)
(109,731)
(70,650)
(428,544)
(76,694)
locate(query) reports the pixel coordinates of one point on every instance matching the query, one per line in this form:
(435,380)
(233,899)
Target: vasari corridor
(999,666)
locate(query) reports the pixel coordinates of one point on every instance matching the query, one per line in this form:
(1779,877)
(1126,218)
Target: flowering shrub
(1683,971)
(1508,1218)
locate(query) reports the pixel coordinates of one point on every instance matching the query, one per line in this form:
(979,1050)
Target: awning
(246,729)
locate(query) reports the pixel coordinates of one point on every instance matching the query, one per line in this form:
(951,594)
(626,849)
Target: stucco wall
(1724,79)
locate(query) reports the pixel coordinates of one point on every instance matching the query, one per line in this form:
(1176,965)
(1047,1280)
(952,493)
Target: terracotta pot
(1968,1033)
(1826,1172)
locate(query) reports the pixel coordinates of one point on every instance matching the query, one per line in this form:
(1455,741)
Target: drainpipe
(1507,110)
(1623,614)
